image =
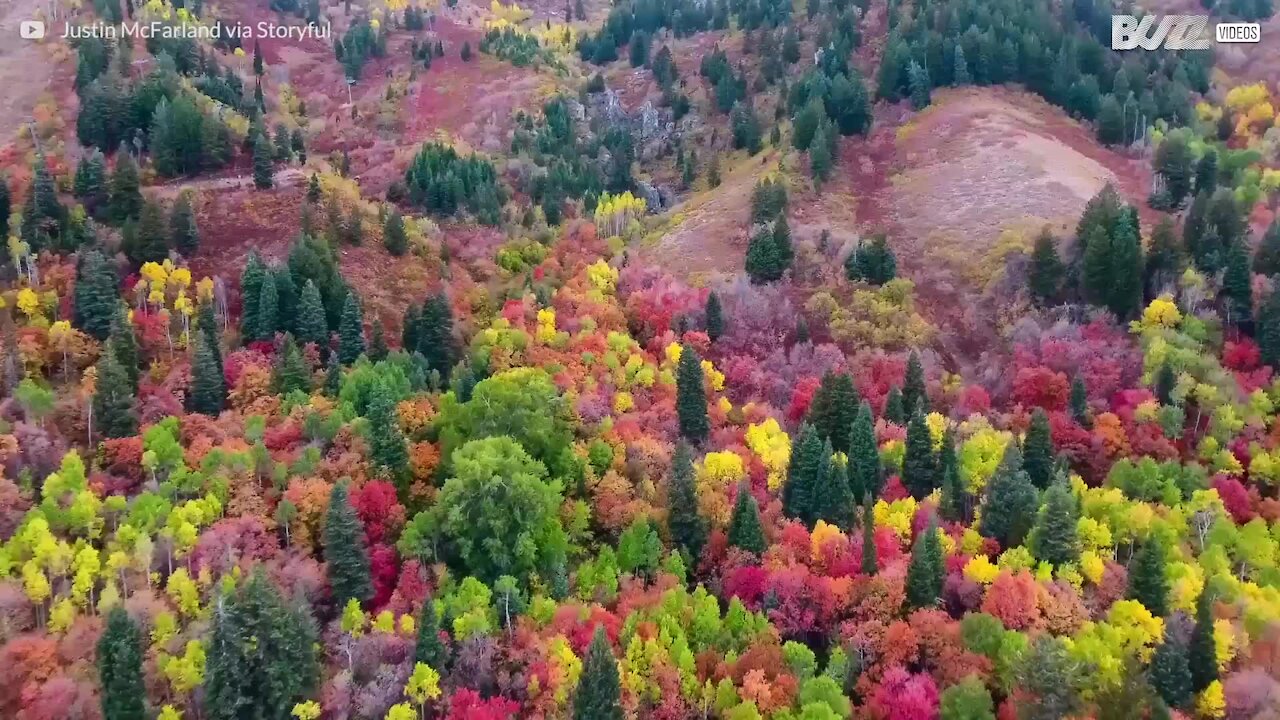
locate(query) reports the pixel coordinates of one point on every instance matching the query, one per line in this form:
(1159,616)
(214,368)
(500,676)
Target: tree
(834,408)
(1050,676)
(43,216)
(393,234)
(599,693)
(429,649)
(208,386)
(968,699)
(1055,539)
(691,399)
(1176,166)
(1266,260)
(745,530)
(125,199)
(261,656)
(919,467)
(1125,296)
(346,558)
(1170,671)
(914,396)
(822,150)
(120,668)
(1268,330)
(639,50)
(920,84)
(1079,401)
(291,373)
(312,325)
(1045,277)
(1237,285)
(833,502)
(803,470)
(351,331)
(251,280)
(378,349)
(1110,123)
(850,104)
(873,262)
(434,335)
(960,73)
(894,409)
(864,455)
(1037,450)
(1010,504)
(466,52)
(183,232)
(766,261)
(1202,653)
(90,188)
(687,528)
(207,325)
(149,240)
(95,295)
(1207,172)
(268,308)
(1165,259)
(714,317)
(387,449)
(263,169)
(113,398)
(124,346)
(926,570)
(1148,583)
(257,59)
(869,559)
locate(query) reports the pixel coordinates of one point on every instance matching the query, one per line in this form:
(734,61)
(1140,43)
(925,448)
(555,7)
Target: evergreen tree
(691,399)
(90,188)
(333,376)
(864,455)
(1202,652)
(960,75)
(113,415)
(1165,382)
(1045,278)
(393,234)
(765,262)
(822,152)
(745,531)
(311,322)
(1170,672)
(263,170)
(914,396)
(714,317)
(1079,401)
(119,660)
(599,693)
(920,84)
(803,471)
(955,499)
(869,559)
(125,199)
(894,408)
(346,558)
(1266,260)
(1267,331)
(208,385)
(850,104)
(834,408)
(429,649)
(1207,172)
(351,331)
(1147,581)
(290,372)
(1009,508)
(926,569)
(207,325)
(872,262)
(1174,164)
(149,241)
(124,345)
(919,469)
(268,310)
(1237,285)
(434,335)
(43,216)
(183,232)
(687,528)
(261,656)
(251,280)
(1054,538)
(387,448)
(1164,259)
(1037,450)
(833,502)
(257,59)
(1125,296)
(95,294)
(286,299)
(378,349)
(1110,123)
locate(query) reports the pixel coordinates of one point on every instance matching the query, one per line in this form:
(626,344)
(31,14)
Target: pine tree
(872,262)
(894,408)
(803,470)
(113,415)
(691,399)
(251,279)
(1147,581)
(1165,259)
(1054,538)
(687,528)
(919,469)
(1266,259)
(864,455)
(434,335)
(119,660)
(869,559)
(1037,450)
(1165,382)
(599,694)
(714,317)
(1202,653)
(1207,172)
(914,396)
(387,449)
(1237,285)
(183,232)
(833,502)
(960,75)
(1096,267)
(263,171)
(149,241)
(90,188)
(926,570)
(207,325)
(257,59)
(1170,672)
(351,331)
(290,372)
(394,237)
(822,152)
(955,499)
(346,558)
(745,531)
(1045,278)
(261,656)
(95,294)
(429,649)
(765,260)
(312,325)
(1009,508)
(1125,296)
(268,310)
(378,349)
(834,408)
(333,376)
(286,298)
(208,386)
(43,216)
(125,199)
(124,345)
(1079,401)
(1110,122)
(920,84)
(1267,331)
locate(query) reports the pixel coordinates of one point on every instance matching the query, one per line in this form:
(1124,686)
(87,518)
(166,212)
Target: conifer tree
(268,310)
(1148,583)
(1266,259)
(833,502)
(1009,508)
(251,279)
(429,650)
(113,415)
(387,449)
(1165,382)
(149,241)
(286,298)
(119,659)
(869,559)
(1267,331)
(1202,652)
(1054,538)
(345,555)
(919,466)
(1037,450)
(687,528)
(207,324)
(864,455)
(1165,259)
(1046,270)
(90,188)
(834,408)
(1170,672)
(714,317)
(955,499)
(765,261)
(920,84)
(313,327)
(394,237)
(926,570)
(208,386)
(263,170)
(124,345)
(43,216)
(894,408)
(183,232)
(914,397)
(1207,172)
(378,349)
(1237,285)
(691,399)
(291,372)
(745,531)
(803,469)
(599,693)
(125,199)
(1096,268)
(1079,401)
(96,295)
(434,335)
(351,331)
(333,376)
(1125,296)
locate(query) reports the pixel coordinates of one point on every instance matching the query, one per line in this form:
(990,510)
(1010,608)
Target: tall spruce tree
(394,237)
(1267,331)
(263,170)
(1266,259)
(687,528)
(833,502)
(208,386)
(714,317)
(125,199)
(387,449)
(268,309)
(346,558)
(207,325)
(351,331)
(926,571)
(183,231)
(312,325)
(291,372)
(919,466)
(1166,380)
(434,335)
(286,299)
(869,554)
(1202,652)
(803,469)
(1148,583)
(1125,295)
(119,659)
(894,409)
(599,693)
(124,345)
(865,474)
(113,415)
(1170,672)
(1037,450)
(96,295)
(1055,539)
(429,650)
(378,349)
(1045,278)
(914,396)
(833,409)
(745,530)
(691,400)
(1009,508)
(251,279)
(149,240)
(1079,401)
(1237,285)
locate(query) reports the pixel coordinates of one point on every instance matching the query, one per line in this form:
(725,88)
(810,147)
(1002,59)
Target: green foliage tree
(745,531)
(834,408)
(865,475)
(1045,279)
(291,372)
(803,470)
(1009,508)
(1266,259)
(919,466)
(926,571)
(687,528)
(351,331)
(1037,450)
(123,345)
(429,649)
(183,231)
(394,237)
(869,554)
(691,399)
(1267,331)
(113,414)
(1202,652)
(1079,401)
(1110,123)
(714,317)
(833,502)
(1051,677)
(1170,672)
(90,188)
(149,240)
(208,386)
(312,325)
(920,84)
(915,398)
(251,280)
(387,449)
(872,262)
(766,261)
(1207,171)
(434,335)
(894,409)
(95,295)
(263,163)
(119,659)
(968,699)
(125,197)
(1148,583)
(346,558)
(1237,285)
(268,308)
(1055,538)
(1175,166)
(599,693)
